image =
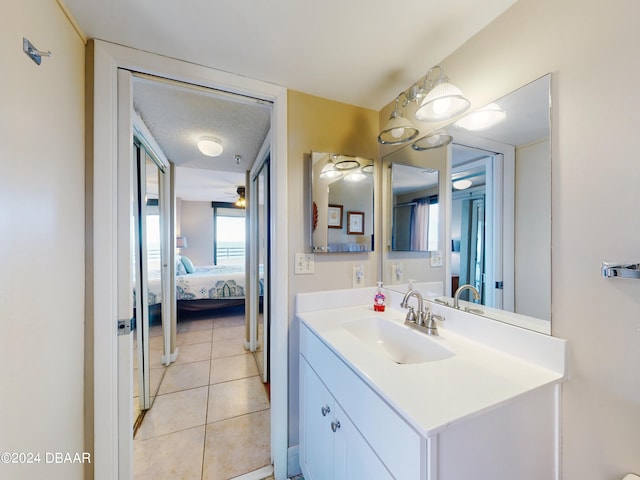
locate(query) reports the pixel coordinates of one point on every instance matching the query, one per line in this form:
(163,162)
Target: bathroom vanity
(379,399)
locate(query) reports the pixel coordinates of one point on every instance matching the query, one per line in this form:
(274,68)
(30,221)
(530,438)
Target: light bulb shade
(209,146)
(347,163)
(444,101)
(181,242)
(356,176)
(329,170)
(436,139)
(482,119)
(397,130)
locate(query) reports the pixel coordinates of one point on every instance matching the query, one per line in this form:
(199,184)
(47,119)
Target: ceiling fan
(241,201)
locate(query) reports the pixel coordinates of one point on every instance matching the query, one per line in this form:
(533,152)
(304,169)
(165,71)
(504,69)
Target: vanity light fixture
(330,170)
(442,101)
(398,129)
(482,119)
(209,146)
(438,138)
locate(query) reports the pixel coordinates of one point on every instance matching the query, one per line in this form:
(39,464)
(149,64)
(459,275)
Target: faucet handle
(411,316)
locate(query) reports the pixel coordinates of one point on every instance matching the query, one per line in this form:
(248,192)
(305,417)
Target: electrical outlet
(305,264)
(358,277)
(436,259)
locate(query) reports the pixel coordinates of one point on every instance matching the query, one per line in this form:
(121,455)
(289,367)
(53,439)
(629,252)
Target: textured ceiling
(177,116)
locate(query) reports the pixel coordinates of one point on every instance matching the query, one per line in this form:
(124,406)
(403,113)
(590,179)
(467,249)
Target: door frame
(103,61)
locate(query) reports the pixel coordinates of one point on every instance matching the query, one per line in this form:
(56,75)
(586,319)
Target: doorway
(109,155)
(211,397)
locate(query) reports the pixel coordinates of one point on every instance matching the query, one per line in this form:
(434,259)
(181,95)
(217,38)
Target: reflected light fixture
(346,163)
(462,184)
(209,146)
(356,176)
(483,118)
(438,138)
(442,101)
(398,129)
(330,170)
(242,201)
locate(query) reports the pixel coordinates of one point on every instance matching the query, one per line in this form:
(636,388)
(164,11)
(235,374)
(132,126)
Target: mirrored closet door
(151,255)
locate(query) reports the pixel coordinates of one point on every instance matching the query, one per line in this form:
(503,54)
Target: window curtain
(420,224)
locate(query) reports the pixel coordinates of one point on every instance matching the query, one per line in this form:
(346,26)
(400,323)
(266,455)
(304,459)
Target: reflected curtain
(420,224)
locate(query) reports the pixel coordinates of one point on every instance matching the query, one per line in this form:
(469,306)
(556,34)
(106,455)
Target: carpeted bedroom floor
(211,418)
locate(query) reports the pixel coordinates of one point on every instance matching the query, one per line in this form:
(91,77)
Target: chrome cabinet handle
(325,410)
(335,425)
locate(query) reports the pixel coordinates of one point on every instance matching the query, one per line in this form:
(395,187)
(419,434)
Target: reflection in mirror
(419,172)
(342,203)
(415,208)
(499,211)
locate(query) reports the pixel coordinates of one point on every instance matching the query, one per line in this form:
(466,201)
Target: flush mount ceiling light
(442,101)
(330,170)
(209,146)
(462,184)
(436,139)
(398,129)
(483,118)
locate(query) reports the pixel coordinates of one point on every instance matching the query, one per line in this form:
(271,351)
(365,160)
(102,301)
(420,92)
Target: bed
(204,287)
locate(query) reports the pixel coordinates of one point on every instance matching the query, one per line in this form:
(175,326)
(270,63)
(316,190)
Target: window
(229,236)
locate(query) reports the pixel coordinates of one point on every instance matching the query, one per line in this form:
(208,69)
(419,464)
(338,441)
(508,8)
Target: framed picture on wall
(355,223)
(334,216)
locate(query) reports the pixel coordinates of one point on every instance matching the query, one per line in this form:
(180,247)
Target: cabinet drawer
(397,444)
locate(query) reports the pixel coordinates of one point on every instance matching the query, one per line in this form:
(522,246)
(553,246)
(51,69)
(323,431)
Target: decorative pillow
(180,270)
(188,265)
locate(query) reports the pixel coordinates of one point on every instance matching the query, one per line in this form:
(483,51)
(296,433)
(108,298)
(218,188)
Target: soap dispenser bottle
(379,299)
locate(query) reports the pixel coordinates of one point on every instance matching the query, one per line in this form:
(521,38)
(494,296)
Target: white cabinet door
(316,414)
(353,457)
(331,445)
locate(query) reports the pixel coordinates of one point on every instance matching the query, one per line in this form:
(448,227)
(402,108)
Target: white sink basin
(396,341)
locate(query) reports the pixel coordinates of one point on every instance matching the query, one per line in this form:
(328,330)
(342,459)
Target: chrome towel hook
(33,53)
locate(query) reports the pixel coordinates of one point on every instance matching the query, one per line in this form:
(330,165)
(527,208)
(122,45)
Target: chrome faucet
(424,320)
(456,296)
(411,316)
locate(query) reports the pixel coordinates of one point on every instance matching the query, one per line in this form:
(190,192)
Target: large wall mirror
(342,203)
(495,208)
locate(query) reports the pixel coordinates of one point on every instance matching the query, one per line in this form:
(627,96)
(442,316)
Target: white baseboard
(260,474)
(293,461)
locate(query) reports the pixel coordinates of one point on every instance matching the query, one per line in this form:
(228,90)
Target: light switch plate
(436,259)
(305,264)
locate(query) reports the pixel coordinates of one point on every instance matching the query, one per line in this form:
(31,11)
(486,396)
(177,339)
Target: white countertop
(433,395)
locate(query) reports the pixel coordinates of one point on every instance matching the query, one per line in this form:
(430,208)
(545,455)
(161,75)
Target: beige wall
(42,242)
(591,49)
(196,223)
(321,125)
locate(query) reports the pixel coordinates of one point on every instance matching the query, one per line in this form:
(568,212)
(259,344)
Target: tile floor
(211,418)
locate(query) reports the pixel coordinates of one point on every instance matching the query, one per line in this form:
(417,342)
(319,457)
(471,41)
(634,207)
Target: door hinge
(125,326)
(500,285)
